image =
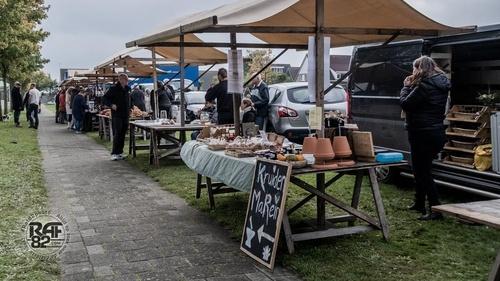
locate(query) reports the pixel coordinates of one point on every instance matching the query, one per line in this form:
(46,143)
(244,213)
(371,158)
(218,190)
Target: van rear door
(375,86)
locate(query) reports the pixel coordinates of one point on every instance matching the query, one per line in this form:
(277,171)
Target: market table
(157,132)
(237,174)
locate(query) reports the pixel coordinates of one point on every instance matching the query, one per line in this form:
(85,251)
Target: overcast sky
(85,32)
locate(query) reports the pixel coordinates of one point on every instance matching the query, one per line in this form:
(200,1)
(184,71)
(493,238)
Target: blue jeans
(78,125)
(261,121)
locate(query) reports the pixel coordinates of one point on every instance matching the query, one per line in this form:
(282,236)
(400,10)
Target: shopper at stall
(118,99)
(249,114)
(56,103)
(423,99)
(137,98)
(35,101)
(62,106)
(260,98)
(78,111)
(147,100)
(17,102)
(224,100)
(67,100)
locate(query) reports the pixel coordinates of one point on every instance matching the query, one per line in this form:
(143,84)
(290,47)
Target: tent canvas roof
(350,22)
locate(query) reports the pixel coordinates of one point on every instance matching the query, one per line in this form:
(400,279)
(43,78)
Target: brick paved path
(124,227)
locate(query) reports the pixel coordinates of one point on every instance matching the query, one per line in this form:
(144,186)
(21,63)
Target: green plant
(488,98)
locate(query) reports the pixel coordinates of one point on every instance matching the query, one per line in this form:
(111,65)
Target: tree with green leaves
(257,59)
(20,38)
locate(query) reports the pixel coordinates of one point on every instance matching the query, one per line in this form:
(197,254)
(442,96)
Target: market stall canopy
(197,55)
(290,22)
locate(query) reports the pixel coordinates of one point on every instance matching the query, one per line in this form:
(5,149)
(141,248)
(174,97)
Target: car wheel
(386,174)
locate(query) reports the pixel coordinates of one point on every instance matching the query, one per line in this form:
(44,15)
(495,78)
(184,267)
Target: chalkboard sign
(266,206)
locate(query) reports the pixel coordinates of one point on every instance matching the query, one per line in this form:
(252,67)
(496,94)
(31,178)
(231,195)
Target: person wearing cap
(118,99)
(17,102)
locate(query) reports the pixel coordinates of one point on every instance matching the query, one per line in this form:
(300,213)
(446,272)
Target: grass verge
(22,193)
(437,251)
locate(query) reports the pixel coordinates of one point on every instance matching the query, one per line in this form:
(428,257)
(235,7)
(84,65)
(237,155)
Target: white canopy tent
(289,23)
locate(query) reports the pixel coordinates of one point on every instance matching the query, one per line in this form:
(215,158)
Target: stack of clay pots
(325,152)
(342,151)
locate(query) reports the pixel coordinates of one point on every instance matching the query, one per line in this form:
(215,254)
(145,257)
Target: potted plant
(489,98)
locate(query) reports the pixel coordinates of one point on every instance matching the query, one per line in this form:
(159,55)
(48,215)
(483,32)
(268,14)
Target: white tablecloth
(234,172)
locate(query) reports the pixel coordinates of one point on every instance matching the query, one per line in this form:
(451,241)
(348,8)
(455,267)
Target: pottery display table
(157,132)
(236,174)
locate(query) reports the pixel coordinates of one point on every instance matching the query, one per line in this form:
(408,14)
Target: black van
(473,62)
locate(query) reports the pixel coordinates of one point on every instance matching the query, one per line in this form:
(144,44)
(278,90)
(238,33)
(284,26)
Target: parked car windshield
(301,95)
(195,98)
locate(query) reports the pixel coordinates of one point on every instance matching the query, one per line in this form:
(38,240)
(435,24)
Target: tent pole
(200,76)
(236,96)
(155,87)
(177,74)
(354,67)
(264,68)
(320,63)
(181,64)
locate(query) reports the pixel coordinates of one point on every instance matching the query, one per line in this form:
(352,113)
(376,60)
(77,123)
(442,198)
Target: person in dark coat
(224,100)
(164,99)
(56,102)
(423,99)
(137,98)
(260,98)
(78,111)
(249,114)
(17,102)
(118,99)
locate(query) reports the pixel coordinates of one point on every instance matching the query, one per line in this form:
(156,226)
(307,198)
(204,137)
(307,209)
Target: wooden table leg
(320,202)
(131,139)
(356,192)
(287,230)
(156,152)
(111,136)
(151,147)
(379,205)
(495,270)
(210,193)
(199,179)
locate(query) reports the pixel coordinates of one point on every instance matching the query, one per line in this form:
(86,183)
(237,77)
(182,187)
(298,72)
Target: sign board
(235,71)
(315,118)
(311,67)
(266,206)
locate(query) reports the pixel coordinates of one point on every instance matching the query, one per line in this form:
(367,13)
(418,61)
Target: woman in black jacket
(423,99)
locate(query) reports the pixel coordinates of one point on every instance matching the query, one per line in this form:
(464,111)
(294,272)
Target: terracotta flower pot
(341,147)
(309,146)
(324,150)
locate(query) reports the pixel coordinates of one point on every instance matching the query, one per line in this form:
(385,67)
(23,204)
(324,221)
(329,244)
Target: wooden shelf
(459,164)
(457,149)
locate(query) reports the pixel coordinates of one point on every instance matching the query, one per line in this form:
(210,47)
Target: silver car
(290,104)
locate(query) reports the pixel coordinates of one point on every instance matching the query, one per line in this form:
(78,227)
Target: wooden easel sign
(266,206)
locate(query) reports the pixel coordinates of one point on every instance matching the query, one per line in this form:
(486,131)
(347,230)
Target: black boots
(431,216)
(417,207)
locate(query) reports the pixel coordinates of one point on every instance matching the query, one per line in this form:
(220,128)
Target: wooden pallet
(482,212)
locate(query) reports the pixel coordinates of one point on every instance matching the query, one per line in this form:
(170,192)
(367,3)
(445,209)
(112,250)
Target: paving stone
(124,226)
(95,249)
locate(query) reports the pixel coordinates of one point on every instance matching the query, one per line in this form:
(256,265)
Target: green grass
(442,250)
(22,193)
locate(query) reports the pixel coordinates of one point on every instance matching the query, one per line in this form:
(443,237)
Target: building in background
(66,73)
(339,65)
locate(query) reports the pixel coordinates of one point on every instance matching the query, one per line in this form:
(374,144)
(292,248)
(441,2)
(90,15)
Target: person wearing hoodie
(423,99)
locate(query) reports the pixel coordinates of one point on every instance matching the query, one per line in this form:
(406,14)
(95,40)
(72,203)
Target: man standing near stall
(118,99)
(224,100)
(260,98)
(17,102)
(34,101)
